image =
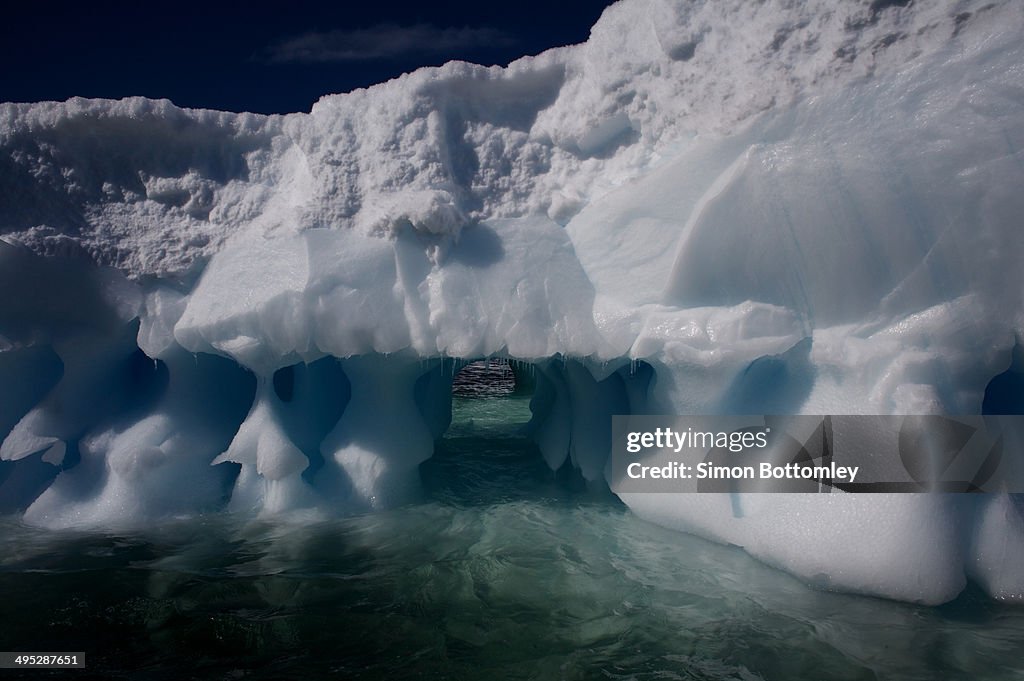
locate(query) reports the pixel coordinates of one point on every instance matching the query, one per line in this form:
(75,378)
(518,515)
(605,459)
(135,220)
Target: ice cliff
(708,207)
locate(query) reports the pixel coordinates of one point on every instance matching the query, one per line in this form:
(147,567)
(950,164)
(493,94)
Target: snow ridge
(153,189)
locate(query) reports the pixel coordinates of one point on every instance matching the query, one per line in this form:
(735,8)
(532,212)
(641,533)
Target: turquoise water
(501,571)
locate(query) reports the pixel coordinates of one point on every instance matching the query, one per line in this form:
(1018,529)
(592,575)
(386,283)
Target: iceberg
(707,208)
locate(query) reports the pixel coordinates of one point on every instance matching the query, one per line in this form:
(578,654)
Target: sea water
(502,570)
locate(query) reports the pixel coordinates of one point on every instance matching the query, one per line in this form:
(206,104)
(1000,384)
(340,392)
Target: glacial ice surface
(709,207)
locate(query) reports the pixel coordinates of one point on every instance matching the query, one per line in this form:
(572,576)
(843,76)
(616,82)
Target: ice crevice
(707,208)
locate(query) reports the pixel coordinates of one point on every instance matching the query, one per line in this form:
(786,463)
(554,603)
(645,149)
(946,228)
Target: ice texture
(707,208)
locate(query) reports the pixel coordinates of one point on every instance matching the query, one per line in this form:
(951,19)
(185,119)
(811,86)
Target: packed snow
(707,208)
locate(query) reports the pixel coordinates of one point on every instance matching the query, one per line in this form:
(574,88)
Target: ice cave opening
(526,429)
(491,400)
(490,411)
(488,378)
(356,432)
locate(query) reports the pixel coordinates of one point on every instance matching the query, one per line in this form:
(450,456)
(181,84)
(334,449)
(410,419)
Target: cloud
(384,41)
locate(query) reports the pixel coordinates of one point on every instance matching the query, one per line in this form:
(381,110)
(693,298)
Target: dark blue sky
(265,57)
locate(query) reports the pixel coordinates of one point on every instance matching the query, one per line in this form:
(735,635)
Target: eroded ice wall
(711,207)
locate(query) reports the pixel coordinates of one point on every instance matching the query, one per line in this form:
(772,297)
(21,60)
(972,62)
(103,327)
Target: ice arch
(792,206)
(238,405)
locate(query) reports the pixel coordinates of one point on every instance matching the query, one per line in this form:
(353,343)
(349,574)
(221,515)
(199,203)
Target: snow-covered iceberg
(707,208)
